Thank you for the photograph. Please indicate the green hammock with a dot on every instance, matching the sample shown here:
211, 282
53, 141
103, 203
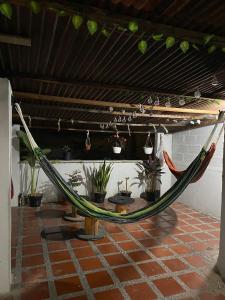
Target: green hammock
92, 210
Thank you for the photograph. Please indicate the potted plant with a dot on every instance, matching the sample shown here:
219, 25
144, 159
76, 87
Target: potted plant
88, 142
117, 143
148, 145
149, 173
67, 152
100, 178
126, 192
34, 197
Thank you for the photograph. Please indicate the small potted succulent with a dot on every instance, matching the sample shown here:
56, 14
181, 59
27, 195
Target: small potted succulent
67, 152
118, 143
149, 173
126, 192
148, 145
34, 197
100, 178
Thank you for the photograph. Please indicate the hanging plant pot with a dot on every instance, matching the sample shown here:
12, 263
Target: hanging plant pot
117, 150
99, 197
147, 150
35, 200
87, 147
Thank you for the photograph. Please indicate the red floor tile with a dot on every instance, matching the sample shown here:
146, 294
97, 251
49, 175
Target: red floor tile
63, 268
202, 236
30, 250
180, 249
109, 295
126, 273
108, 248
148, 243
68, 285
59, 256
140, 291
79, 243
186, 238
34, 275
78, 298
104, 240
151, 268
36, 291
99, 279
139, 255
175, 264
140, 235
120, 237
196, 261
84, 252
161, 252
168, 286
192, 280
58, 245
116, 259
31, 240
129, 246
91, 263
33, 260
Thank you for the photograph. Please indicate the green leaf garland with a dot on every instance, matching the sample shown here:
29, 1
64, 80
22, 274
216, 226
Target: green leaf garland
92, 27
77, 21
184, 46
35, 7
142, 46
157, 37
133, 26
105, 32
170, 41
6, 10
211, 49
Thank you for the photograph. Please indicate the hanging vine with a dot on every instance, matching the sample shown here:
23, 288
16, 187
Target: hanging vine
132, 26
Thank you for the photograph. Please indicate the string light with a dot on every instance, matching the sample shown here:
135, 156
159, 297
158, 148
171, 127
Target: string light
198, 122
123, 111
129, 119
168, 104
111, 109
150, 101
119, 119
115, 120
102, 126
124, 120
134, 115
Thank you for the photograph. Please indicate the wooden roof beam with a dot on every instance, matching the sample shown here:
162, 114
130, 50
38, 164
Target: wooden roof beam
15, 40
49, 98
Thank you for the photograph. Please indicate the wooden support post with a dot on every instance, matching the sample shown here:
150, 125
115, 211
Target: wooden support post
91, 226
121, 208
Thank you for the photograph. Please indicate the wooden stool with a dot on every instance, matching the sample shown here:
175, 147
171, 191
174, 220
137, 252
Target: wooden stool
121, 203
91, 226
121, 208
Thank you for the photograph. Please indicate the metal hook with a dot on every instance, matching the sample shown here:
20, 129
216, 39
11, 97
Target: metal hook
155, 130
164, 127
128, 127
87, 133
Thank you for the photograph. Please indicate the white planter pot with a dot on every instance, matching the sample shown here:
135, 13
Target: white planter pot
117, 150
148, 150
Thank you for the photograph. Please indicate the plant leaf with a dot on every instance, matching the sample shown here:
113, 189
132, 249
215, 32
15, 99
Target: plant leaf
77, 21
157, 37
35, 7
195, 47
61, 13
6, 10
170, 41
208, 38
223, 49
133, 26
105, 32
121, 28
142, 46
211, 49
92, 27
184, 46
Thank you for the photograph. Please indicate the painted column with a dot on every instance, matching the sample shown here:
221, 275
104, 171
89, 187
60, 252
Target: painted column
5, 180
220, 266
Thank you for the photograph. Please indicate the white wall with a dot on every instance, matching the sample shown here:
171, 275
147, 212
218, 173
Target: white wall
15, 164
5, 182
205, 194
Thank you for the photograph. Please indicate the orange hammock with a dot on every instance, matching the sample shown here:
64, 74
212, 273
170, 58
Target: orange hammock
202, 169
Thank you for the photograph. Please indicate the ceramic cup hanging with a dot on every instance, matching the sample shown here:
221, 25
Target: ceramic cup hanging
148, 145
87, 142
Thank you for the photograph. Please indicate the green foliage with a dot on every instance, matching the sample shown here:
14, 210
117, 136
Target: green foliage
157, 37
100, 177
6, 9
121, 28
184, 46
35, 7
92, 27
211, 49
133, 26
208, 38
195, 47
77, 21
142, 46
105, 32
170, 41
75, 179
223, 49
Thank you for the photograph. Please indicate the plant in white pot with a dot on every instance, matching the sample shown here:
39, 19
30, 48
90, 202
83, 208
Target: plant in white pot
34, 196
100, 177
149, 173
148, 148
118, 143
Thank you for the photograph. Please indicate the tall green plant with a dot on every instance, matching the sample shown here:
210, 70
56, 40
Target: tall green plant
100, 177
30, 158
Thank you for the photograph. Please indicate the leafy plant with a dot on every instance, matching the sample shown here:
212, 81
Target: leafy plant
142, 46
31, 160
105, 32
66, 149
35, 7
118, 141
157, 37
100, 177
208, 38
211, 49
75, 179
149, 172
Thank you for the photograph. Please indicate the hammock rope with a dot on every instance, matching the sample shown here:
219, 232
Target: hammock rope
205, 163
92, 210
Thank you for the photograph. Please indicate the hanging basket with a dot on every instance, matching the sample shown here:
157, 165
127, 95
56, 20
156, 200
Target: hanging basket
117, 150
88, 142
148, 150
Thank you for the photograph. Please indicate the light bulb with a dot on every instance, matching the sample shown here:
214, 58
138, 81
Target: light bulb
197, 94
157, 101
124, 120
102, 126
129, 119
174, 121
119, 119
182, 102
198, 122
123, 111
115, 120
150, 100
214, 81
134, 114
111, 109
168, 104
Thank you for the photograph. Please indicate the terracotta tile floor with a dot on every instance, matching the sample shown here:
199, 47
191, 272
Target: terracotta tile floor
170, 256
